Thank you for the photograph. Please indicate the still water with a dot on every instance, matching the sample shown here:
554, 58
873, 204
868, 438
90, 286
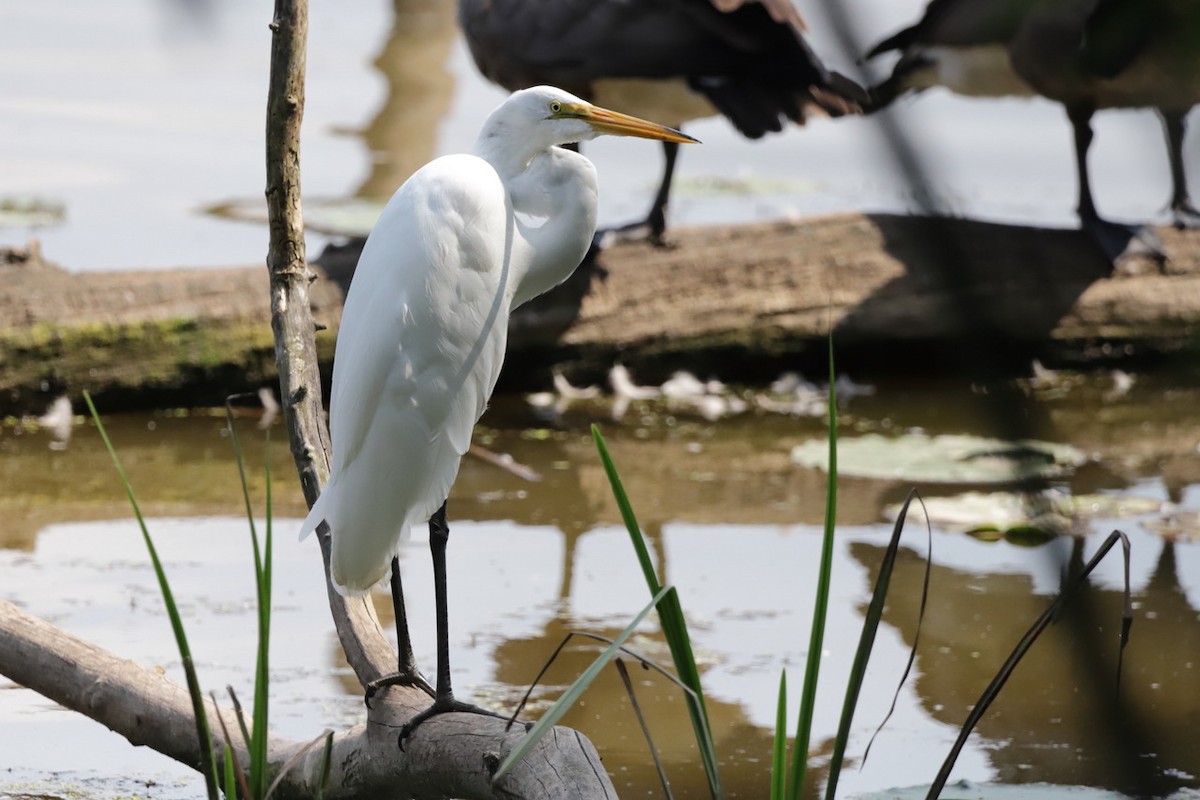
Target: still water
734, 525
137, 118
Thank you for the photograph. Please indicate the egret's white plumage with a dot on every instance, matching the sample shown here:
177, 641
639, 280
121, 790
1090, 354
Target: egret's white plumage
464, 241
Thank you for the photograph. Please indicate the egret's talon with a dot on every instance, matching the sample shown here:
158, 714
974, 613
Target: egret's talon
442, 705
406, 678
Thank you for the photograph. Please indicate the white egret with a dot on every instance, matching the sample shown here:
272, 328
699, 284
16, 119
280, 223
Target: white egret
464, 241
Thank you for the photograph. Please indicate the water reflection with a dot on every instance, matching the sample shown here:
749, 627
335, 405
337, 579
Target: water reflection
1059, 717
402, 135
733, 524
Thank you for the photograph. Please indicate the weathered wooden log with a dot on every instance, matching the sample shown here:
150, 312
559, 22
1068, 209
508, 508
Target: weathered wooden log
901, 292
147, 708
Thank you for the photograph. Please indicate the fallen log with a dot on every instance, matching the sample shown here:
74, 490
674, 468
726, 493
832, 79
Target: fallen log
743, 302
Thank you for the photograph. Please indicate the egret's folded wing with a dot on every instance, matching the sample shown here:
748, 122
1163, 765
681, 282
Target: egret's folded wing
411, 325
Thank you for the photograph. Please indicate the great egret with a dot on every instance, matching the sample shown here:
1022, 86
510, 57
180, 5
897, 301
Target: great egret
682, 59
464, 241
1086, 54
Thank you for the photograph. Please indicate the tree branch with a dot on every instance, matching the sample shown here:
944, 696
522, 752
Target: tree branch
367, 649
454, 754
149, 709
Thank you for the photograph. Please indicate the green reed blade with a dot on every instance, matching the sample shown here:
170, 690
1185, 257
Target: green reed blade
207, 759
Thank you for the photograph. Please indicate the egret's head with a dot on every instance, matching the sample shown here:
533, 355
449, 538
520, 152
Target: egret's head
544, 116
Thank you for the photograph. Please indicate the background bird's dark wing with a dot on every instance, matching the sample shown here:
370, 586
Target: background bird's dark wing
753, 69
960, 23
1116, 33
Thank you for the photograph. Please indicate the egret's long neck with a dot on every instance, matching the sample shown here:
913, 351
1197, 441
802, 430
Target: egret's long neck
558, 191
505, 149
556, 188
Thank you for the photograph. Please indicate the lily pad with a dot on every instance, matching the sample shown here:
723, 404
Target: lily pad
1028, 517
1181, 526
351, 217
30, 212
742, 186
967, 790
961, 459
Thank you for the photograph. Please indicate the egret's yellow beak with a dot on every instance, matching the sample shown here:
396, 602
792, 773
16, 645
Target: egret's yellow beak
614, 122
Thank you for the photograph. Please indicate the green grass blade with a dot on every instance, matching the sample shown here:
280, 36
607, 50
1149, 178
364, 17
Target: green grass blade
262, 674
326, 762
626, 509
241, 784
262, 578
808, 692
779, 751
641, 718
573, 692
866, 643
299, 756
1076, 585
674, 626
231, 788
207, 759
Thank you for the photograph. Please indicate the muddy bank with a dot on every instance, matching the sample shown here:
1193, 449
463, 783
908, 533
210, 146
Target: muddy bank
902, 293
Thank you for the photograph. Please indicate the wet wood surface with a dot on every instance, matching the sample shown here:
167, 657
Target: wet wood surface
918, 291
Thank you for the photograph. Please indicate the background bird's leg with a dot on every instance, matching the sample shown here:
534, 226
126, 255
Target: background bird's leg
1183, 213
657, 220
443, 699
1115, 240
1081, 125
407, 674
654, 226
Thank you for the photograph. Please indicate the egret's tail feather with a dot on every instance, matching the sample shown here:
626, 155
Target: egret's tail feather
353, 591
315, 516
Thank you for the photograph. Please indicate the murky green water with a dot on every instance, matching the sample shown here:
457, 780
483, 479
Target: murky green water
734, 525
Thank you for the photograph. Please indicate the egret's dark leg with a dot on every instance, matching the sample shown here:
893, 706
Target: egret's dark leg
407, 674
654, 225
1114, 239
443, 699
1183, 213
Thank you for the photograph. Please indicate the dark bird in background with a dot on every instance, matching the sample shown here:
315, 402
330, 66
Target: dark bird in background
677, 59
1088, 55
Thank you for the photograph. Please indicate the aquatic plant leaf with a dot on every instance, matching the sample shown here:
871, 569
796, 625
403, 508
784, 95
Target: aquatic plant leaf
919, 458
1051, 512
574, 691
966, 790
816, 640
674, 625
1077, 584
30, 212
779, 748
208, 762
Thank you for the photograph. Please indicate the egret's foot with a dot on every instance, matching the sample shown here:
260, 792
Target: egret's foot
407, 678
442, 705
1185, 216
1119, 242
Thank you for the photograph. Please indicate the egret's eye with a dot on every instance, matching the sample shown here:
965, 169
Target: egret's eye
555, 107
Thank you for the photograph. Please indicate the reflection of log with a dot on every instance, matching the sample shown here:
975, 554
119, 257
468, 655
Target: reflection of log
747, 297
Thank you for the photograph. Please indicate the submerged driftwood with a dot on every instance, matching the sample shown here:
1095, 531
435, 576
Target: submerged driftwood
901, 292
